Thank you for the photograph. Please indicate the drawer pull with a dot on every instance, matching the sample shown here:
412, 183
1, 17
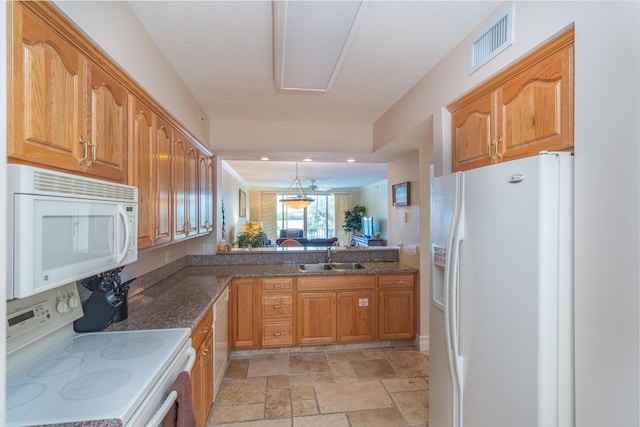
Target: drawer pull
398, 282
277, 334
277, 285
277, 307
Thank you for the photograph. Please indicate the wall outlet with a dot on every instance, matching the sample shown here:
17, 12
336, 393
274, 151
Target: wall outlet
207, 248
415, 250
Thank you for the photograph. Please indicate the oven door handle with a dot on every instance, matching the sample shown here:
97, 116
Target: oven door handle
163, 410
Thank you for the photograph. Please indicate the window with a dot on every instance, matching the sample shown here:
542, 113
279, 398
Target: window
318, 220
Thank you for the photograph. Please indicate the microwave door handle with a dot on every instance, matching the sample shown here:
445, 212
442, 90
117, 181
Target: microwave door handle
127, 235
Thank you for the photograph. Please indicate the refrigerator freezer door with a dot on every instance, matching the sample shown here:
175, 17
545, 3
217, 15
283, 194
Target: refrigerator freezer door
445, 197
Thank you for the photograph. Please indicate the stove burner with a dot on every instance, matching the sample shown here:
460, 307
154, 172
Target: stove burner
131, 347
87, 343
23, 393
95, 384
56, 366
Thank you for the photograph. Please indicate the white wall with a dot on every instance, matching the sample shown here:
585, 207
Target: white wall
229, 192
607, 184
114, 27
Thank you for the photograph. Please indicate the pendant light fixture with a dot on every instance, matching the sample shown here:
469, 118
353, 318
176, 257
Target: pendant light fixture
293, 200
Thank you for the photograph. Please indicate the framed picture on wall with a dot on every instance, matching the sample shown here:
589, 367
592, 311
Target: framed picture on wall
243, 204
401, 194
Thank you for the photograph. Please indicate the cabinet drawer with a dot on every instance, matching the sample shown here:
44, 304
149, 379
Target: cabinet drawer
396, 281
322, 283
200, 332
277, 333
277, 306
277, 284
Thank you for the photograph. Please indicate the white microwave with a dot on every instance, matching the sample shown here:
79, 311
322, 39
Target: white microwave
65, 227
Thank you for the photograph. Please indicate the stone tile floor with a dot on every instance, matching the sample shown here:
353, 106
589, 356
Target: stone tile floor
377, 387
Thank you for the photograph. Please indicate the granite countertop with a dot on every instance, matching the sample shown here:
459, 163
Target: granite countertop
182, 299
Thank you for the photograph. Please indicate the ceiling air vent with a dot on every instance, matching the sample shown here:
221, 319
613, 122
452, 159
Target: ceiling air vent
492, 41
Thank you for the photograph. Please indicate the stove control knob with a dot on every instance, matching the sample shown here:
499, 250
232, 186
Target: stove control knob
62, 307
73, 301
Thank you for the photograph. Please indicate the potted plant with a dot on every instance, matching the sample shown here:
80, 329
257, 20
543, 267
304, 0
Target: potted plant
250, 237
353, 219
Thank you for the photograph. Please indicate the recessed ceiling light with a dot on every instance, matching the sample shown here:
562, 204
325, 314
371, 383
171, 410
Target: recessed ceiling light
307, 160
264, 158
351, 160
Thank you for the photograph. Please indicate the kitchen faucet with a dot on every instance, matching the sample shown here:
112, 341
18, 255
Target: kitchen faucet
330, 251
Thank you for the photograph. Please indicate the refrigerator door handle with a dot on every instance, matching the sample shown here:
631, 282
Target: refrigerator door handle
451, 302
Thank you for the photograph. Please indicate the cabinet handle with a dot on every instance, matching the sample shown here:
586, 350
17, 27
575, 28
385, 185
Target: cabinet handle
277, 334
498, 153
205, 330
398, 282
277, 307
277, 285
86, 150
93, 153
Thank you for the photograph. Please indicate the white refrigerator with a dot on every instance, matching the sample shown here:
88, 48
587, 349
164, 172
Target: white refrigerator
501, 338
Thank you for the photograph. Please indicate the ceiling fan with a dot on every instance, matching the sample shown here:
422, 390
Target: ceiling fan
314, 187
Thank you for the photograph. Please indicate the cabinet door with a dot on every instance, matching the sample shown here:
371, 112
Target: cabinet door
245, 313
202, 380
141, 168
179, 161
45, 92
316, 317
396, 316
356, 316
473, 128
161, 174
191, 177
205, 217
535, 108
107, 127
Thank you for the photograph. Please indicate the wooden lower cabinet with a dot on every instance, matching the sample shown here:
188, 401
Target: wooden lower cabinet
356, 316
316, 317
396, 307
316, 309
277, 309
334, 315
202, 371
245, 313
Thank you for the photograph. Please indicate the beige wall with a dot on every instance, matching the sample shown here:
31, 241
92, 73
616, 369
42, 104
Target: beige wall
374, 197
607, 182
229, 192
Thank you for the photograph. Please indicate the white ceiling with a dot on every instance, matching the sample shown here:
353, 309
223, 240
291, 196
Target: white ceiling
222, 50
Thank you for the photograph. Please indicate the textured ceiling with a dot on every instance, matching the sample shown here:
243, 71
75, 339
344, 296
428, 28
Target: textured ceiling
223, 52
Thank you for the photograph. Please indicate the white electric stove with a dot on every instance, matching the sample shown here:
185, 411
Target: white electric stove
57, 376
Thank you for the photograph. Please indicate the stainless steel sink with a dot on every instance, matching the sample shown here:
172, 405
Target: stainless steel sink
331, 266
346, 266
314, 267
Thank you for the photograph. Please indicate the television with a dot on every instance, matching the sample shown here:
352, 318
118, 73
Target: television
367, 226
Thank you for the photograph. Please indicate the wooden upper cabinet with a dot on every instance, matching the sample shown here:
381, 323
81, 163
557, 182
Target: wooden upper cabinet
205, 188
191, 181
523, 110
162, 190
141, 167
65, 112
473, 127
45, 94
179, 162
150, 171
107, 126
